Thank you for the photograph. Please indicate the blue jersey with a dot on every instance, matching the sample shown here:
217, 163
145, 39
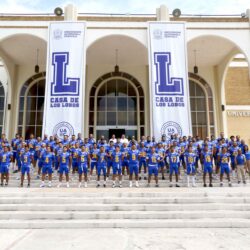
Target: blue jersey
153, 159
133, 156
94, 154
240, 159
117, 158
161, 152
14, 144
143, 153
83, 157
74, 154
102, 158
207, 158
190, 158
64, 158
48, 158
125, 153
109, 151
224, 159
26, 159
247, 154
173, 159
5, 158
233, 152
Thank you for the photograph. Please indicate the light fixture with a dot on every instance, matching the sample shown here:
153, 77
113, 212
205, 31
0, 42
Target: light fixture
196, 69
58, 11
116, 61
37, 66
176, 13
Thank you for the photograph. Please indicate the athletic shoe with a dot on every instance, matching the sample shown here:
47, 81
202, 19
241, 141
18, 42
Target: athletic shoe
171, 185
163, 177
230, 184
120, 186
21, 185
28, 185
1, 184
98, 185
157, 185
104, 185
59, 185
17, 178
238, 182
137, 185
80, 184
177, 185
6, 183
221, 184
194, 185
49, 185
210, 185
67, 185
205, 185
113, 186
244, 182
42, 185
140, 178
130, 185
85, 185
145, 178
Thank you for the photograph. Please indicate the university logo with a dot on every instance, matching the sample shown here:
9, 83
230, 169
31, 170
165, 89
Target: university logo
58, 34
63, 85
171, 128
157, 34
62, 129
165, 84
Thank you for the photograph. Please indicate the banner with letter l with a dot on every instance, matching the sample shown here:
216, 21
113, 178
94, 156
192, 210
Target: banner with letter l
65, 79
169, 87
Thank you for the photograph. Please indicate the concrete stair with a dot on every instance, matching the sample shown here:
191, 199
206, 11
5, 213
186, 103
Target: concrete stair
124, 208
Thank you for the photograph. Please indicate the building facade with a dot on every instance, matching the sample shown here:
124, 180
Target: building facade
117, 101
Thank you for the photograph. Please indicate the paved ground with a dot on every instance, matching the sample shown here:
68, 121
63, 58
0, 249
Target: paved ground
116, 239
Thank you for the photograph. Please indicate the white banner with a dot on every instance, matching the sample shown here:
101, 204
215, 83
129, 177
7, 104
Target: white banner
65, 79
169, 87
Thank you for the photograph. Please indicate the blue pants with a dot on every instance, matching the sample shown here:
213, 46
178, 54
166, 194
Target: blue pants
174, 168
82, 168
63, 169
102, 168
133, 168
153, 170
47, 169
191, 169
4, 169
117, 168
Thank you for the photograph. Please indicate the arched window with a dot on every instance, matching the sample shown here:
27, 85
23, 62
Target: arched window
201, 103
116, 106
31, 106
2, 107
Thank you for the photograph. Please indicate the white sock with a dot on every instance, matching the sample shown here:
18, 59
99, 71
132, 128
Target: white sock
130, 183
98, 182
120, 182
188, 180
193, 180
136, 182
113, 182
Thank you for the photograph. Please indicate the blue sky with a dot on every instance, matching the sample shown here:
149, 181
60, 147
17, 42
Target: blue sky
127, 6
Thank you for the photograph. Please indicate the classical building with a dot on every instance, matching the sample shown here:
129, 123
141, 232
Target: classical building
117, 101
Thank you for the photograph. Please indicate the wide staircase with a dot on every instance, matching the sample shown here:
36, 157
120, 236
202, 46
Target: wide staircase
164, 207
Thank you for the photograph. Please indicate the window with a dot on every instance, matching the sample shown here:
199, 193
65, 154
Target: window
31, 108
2, 107
201, 104
116, 102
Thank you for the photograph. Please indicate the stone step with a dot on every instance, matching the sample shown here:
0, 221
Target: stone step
129, 223
122, 200
124, 207
79, 215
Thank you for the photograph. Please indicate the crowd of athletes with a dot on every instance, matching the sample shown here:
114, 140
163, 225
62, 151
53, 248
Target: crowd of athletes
176, 157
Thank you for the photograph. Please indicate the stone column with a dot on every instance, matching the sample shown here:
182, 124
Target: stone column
70, 13
162, 13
